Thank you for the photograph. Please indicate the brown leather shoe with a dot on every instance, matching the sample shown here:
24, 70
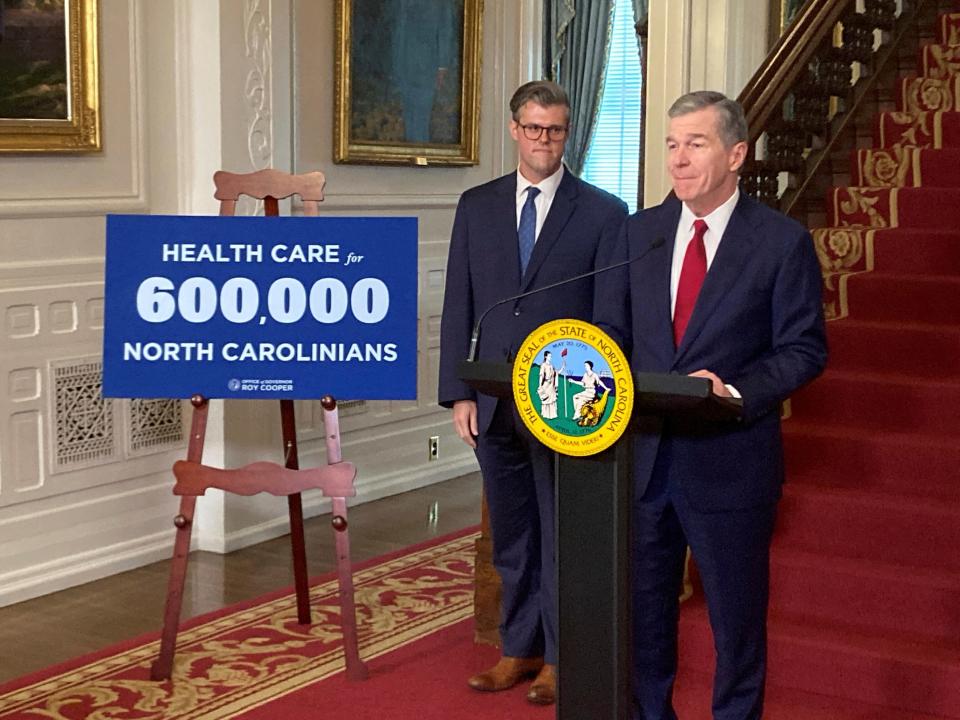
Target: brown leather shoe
506, 673
544, 688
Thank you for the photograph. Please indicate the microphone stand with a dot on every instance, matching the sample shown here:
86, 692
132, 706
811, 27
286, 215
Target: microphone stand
475, 337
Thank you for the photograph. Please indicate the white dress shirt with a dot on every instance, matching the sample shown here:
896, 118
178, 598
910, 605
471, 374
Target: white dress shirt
548, 190
716, 221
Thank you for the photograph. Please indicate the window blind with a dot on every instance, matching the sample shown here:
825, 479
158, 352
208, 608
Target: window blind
613, 159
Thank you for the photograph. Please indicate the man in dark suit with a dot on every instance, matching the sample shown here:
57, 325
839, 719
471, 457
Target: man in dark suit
533, 227
731, 291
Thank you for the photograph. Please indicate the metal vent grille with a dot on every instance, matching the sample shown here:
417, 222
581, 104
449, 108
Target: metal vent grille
155, 425
351, 407
84, 432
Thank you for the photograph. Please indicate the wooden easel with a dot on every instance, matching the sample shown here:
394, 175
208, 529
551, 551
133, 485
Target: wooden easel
335, 479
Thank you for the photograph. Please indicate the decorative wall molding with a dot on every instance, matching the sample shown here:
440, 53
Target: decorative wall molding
94, 206
668, 76
531, 39
138, 101
198, 92
57, 433
16, 275
80, 200
258, 91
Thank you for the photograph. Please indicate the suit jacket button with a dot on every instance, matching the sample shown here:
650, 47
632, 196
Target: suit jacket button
516, 312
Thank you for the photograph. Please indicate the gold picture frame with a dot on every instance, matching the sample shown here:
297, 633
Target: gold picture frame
407, 82
782, 15
52, 103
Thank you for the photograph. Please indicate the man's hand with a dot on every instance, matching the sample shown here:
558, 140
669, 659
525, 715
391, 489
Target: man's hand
718, 387
465, 421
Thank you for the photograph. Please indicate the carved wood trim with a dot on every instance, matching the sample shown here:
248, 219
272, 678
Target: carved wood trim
333, 480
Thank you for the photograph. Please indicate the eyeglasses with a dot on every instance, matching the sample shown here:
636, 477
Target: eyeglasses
535, 132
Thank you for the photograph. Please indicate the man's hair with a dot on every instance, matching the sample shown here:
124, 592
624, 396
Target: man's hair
544, 93
731, 122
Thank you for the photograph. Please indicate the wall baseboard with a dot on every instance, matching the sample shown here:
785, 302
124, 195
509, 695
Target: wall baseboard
67, 572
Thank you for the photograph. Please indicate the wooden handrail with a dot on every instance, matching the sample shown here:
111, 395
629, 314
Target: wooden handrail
766, 91
803, 101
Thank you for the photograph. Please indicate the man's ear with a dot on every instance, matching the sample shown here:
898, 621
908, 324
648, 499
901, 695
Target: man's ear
737, 155
515, 130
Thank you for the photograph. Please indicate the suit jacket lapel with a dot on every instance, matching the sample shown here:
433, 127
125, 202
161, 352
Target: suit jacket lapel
505, 242
654, 285
564, 203
725, 270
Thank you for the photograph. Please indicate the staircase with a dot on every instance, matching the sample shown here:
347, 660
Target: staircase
865, 603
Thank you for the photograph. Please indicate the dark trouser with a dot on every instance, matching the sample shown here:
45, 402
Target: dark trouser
518, 480
732, 553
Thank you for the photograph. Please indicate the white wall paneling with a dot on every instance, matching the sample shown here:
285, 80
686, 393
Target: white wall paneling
75, 537
85, 486
196, 51
66, 454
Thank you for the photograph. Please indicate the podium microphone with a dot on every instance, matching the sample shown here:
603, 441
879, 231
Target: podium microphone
475, 338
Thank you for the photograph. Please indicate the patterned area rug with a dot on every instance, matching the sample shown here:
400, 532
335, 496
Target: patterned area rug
244, 657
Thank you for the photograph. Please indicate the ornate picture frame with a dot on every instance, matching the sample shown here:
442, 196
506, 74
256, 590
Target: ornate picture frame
407, 85
782, 14
49, 89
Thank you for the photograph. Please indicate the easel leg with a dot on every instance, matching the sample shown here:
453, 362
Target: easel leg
295, 504
163, 666
298, 543
356, 668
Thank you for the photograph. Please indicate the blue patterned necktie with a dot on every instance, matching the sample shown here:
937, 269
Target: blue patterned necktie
527, 230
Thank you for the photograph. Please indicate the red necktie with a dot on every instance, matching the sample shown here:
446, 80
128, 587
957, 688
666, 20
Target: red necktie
692, 273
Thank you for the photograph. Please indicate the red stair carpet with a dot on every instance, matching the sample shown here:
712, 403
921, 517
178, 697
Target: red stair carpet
865, 603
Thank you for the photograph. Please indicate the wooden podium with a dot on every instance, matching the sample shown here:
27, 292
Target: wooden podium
593, 538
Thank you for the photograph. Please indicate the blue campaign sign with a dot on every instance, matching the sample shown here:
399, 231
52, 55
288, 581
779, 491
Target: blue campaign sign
256, 307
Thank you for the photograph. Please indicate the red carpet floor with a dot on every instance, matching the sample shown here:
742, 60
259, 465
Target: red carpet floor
865, 605
254, 662
250, 655
426, 681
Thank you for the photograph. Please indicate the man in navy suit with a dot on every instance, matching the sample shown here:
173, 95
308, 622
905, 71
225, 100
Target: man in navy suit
730, 291
527, 229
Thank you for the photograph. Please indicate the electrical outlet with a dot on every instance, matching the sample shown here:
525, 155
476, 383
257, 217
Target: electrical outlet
433, 447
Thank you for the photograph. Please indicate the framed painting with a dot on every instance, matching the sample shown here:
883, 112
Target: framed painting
782, 15
407, 87
49, 83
